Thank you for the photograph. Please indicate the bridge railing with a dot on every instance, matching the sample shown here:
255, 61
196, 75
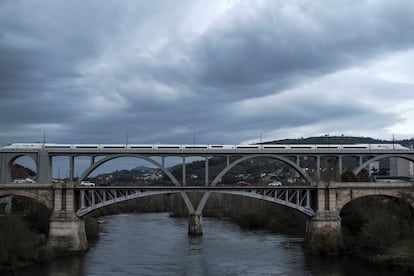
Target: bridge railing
297, 197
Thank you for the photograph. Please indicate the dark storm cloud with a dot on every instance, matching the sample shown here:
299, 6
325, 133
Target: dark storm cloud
282, 45
94, 71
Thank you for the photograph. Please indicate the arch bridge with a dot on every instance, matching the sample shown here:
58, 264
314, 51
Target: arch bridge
320, 201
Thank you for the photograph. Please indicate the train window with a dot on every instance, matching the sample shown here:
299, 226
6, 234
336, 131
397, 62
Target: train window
140, 147
57, 147
86, 147
327, 147
300, 147
248, 147
274, 147
195, 147
216, 147
113, 147
168, 147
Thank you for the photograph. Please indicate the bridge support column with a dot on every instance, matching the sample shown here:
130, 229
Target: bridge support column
324, 232
66, 234
44, 167
66, 231
324, 236
195, 227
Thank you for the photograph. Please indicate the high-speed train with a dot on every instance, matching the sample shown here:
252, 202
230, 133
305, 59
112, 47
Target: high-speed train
52, 146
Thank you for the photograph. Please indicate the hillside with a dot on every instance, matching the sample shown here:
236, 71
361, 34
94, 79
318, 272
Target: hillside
340, 140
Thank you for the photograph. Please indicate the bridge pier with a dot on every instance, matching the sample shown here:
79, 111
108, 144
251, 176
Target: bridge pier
323, 231
67, 234
324, 235
195, 227
66, 231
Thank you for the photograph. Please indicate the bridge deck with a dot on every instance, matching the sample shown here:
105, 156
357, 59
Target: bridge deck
197, 188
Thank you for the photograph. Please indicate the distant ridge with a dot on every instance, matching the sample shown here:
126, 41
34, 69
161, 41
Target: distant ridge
340, 140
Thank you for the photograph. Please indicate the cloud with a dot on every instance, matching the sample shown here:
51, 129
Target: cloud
282, 43
163, 71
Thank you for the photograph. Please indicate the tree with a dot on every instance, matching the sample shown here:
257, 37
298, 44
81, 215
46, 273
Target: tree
364, 176
349, 176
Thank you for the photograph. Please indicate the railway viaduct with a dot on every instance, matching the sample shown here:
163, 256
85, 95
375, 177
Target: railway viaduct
319, 200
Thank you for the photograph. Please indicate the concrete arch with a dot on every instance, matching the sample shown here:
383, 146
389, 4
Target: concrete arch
13, 157
112, 157
345, 196
376, 158
408, 201
274, 156
10, 158
205, 197
160, 166
44, 199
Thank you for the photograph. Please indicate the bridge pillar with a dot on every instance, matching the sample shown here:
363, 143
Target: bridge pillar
195, 227
324, 232
324, 235
66, 231
5, 171
318, 169
44, 167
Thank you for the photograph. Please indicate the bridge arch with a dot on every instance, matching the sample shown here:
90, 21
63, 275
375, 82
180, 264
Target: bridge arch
44, 199
205, 197
160, 166
281, 158
10, 158
112, 157
345, 196
298, 200
376, 158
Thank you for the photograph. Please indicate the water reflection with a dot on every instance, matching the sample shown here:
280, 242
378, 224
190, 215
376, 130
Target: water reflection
154, 244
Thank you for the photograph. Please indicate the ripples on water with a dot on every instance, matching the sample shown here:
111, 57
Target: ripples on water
154, 244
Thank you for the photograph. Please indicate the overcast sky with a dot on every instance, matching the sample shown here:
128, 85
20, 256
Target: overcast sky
218, 71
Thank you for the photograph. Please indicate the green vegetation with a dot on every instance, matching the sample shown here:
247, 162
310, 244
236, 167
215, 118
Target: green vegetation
159, 203
18, 244
23, 235
270, 217
349, 176
381, 228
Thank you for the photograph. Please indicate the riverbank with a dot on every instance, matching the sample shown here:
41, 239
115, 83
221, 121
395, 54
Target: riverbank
19, 245
380, 230
400, 256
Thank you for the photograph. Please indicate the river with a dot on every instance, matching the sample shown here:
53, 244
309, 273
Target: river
155, 244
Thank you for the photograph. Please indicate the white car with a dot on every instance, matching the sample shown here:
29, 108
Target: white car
87, 183
275, 183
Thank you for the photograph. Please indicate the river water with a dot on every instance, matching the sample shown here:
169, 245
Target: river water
155, 244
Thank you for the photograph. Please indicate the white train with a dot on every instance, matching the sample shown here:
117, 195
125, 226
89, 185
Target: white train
209, 147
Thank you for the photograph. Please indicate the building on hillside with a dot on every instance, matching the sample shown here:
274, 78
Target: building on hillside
401, 167
373, 167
